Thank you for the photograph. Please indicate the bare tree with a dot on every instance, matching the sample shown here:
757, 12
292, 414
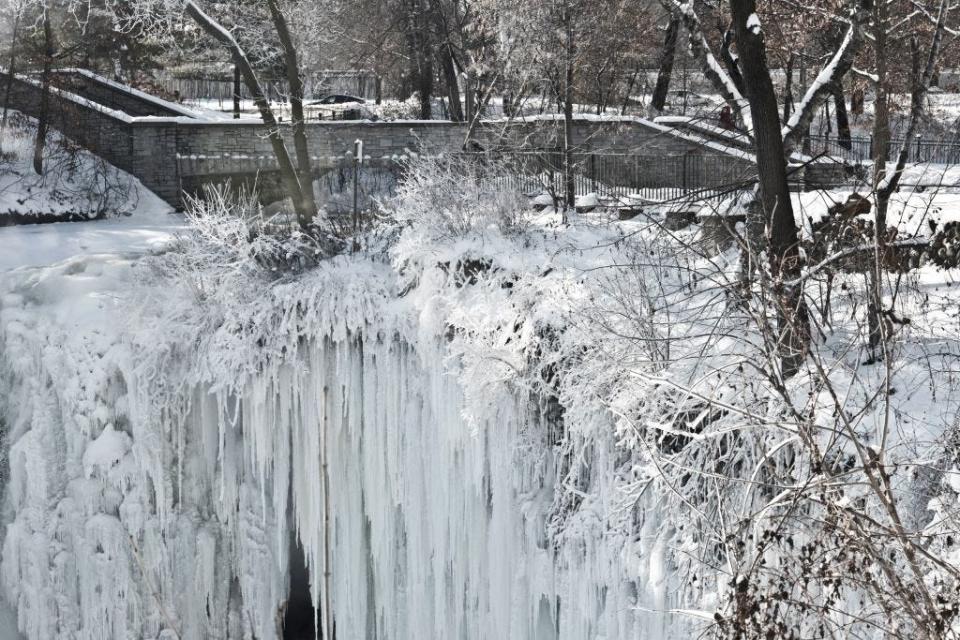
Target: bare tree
295, 80
11, 67
659, 98
774, 190
43, 116
159, 16
884, 183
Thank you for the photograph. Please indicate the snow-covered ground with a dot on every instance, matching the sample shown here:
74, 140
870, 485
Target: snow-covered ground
146, 229
386, 110
131, 220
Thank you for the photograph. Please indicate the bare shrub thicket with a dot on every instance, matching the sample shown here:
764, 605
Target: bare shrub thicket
817, 505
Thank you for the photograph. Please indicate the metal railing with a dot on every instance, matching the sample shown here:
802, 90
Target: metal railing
624, 177
861, 148
363, 84
618, 180
621, 176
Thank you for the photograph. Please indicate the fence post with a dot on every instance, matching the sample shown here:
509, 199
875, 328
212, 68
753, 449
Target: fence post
686, 157
870, 148
358, 160
917, 158
593, 172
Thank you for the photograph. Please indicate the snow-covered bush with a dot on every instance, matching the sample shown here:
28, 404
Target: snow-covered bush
447, 197
408, 109
231, 243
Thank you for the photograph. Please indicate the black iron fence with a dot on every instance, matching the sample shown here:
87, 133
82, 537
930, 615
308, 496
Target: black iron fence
861, 148
621, 176
621, 180
362, 84
624, 177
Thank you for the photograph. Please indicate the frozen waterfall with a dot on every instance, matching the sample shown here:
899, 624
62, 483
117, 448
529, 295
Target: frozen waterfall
140, 505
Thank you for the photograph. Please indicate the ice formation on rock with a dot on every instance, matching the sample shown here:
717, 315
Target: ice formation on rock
155, 496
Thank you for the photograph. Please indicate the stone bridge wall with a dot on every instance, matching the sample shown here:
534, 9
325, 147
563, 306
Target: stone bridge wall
98, 129
150, 138
145, 148
115, 96
328, 140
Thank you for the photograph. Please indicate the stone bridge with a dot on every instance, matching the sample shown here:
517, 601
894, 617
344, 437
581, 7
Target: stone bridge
174, 150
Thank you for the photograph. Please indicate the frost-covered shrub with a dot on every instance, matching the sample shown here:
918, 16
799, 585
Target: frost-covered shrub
232, 243
408, 109
15, 145
452, 196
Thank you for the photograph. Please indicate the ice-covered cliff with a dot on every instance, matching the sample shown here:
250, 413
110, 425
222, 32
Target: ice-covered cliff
174, 429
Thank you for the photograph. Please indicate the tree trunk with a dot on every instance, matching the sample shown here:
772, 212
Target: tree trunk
788, 89
659, 99
236, 91
793, 326
805, 128
481, 105
295, 80
843, 120
733, 70
420, 56
288, 174
881, 152
881, 118
569, 46
631, 84
44, 115
470, 97
839, 63
11, 72
450, 78
709, 65
425, 88
601, 103
885, 184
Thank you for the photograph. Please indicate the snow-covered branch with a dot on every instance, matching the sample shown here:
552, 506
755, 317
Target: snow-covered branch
712, 68
839, 64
